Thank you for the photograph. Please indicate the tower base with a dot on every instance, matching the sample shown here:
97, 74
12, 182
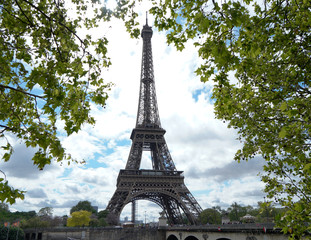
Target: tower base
165, 188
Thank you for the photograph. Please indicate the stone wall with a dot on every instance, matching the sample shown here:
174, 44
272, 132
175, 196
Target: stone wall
95, 234
128, 234
229, 232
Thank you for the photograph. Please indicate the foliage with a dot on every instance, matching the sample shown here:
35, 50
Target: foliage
266, 46
15, 233
46, 211
56, 221
48, 73
4, 207
79, 219
46, 217
101, 219
185, 220
94, 223
210, 216
112, 219
30, 219
7, 216
8, 193
236, 211
82, 205
253, 211
266, 211
102, 222
102, 214
35, 222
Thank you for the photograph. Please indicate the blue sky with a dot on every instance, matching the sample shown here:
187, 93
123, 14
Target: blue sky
201, 146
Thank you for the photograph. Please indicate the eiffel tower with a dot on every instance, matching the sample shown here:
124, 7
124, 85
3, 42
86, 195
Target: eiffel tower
163, 185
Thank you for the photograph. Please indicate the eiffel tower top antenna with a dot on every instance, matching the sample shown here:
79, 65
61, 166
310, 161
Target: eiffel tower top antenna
147, 18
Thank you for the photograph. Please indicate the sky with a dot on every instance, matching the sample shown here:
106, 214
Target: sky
200, 145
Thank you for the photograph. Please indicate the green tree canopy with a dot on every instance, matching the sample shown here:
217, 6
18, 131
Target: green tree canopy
4, 207
48, 73
102, 214
82, 205
268, 212
79, 219
210, 216
45, 212
14, 233
266, 46
7, 216
236, 211
34, 222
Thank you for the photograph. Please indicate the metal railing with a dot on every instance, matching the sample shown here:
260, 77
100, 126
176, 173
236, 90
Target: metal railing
150, 173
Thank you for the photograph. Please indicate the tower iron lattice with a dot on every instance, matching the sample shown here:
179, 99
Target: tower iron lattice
163, 184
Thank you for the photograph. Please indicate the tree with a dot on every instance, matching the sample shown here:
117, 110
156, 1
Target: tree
102, 222
210, 216
79, 219
83, 205
34, 222
46, 215
266, 46
102, 214
252, 211
112, 219
236, 211
94, 223
4, 213
7, 216
56, 221
4, 207
49, 73
45, 212
14, 233
268, 212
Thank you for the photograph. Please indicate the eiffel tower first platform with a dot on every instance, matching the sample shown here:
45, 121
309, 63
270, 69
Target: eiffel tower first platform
163, 185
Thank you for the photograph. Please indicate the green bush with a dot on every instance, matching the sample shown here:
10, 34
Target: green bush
13, 233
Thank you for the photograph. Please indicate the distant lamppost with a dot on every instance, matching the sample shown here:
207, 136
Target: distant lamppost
145, 218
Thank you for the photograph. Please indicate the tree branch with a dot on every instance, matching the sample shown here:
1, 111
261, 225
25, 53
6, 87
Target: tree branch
52, 20
31, 23
3, 174
297, 188
5, 128
220, 12
13, 15
56, 43
21, 91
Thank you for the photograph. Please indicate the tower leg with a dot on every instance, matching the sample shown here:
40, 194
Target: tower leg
133, 211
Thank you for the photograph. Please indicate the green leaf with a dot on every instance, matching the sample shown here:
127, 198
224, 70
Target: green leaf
283, 106
282, 133
307, 167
